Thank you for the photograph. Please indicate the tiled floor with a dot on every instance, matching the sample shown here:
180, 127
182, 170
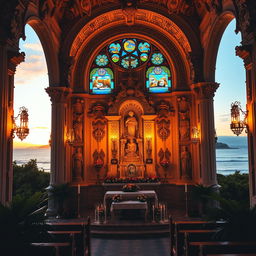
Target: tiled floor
130, 247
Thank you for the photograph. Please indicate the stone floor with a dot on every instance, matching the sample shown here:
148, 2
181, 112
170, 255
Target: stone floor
130, 247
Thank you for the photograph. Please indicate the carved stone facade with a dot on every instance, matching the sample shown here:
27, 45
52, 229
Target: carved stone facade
131, 132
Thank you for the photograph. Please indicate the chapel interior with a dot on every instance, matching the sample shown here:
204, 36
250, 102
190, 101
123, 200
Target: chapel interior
132, 84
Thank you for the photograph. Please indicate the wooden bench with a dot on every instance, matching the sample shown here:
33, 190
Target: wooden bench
56, 246
205, 248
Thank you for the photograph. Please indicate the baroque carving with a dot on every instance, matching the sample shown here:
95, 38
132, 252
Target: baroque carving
164, 157
162, 121
77, 159
246, 16
184, 118
58, 94
186, 163
78, 114
98, 111
205, 90
14, 59
140, 16
129, 8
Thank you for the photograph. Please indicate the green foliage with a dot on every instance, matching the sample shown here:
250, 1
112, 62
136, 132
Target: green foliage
234, 187
21, 223
29, 179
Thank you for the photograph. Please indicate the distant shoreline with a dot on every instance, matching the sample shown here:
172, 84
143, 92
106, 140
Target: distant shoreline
221, 145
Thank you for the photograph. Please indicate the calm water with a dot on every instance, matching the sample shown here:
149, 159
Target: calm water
228, 160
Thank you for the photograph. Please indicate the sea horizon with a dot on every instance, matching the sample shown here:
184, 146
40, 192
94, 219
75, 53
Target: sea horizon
228, 161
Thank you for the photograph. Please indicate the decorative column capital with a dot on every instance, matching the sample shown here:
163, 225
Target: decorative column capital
244, 52
58, 94
14, 59
205, 90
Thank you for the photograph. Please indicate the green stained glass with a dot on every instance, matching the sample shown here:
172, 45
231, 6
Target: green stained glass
144, 57
115, 58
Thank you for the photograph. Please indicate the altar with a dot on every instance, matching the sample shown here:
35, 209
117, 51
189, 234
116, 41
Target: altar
130, 201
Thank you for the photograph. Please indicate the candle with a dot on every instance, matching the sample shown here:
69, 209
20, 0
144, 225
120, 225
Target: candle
78, 189
186, 188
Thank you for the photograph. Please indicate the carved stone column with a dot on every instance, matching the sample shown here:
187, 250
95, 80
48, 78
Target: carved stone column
58, 175
245, 52
58, 97
204, 93
8, 63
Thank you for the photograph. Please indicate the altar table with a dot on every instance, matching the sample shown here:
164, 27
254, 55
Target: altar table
149, 194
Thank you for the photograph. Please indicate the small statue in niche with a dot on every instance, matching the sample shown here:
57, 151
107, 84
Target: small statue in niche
78, 127
131, 124
186, 165
78, 120
184, 133
131, 148
77, 163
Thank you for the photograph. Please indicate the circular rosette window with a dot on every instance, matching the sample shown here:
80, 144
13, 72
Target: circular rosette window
129, 53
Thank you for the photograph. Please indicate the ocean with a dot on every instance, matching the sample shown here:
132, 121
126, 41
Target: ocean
228, 160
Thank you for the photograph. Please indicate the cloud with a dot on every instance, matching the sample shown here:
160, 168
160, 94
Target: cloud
35, 47
33, 67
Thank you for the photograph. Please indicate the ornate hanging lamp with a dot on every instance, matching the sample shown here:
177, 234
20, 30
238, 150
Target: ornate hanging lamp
237, 126
22, 129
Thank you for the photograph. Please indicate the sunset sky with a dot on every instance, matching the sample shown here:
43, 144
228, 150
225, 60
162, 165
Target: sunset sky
31, 78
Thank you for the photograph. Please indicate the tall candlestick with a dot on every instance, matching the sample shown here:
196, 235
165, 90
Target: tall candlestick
186, 188
78, 189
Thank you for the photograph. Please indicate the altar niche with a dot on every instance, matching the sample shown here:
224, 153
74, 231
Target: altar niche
131, 142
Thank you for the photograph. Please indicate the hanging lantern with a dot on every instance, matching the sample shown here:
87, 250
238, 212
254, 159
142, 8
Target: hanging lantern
22, 129
237, 126
195, 135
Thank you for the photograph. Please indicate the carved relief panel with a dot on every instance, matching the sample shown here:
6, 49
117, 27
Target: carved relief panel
76, 137
184, 113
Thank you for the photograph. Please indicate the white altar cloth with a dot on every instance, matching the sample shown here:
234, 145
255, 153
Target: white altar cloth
151, 194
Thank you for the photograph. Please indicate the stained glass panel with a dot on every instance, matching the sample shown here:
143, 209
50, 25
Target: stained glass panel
114, 48
101, 60
101, 81
157, 58
158, 79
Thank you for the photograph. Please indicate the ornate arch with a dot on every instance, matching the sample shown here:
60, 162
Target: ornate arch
214, 38
167, 36
131, 105
49, 48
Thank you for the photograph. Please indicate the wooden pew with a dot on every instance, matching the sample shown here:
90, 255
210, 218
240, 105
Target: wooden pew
201, 230
206, 248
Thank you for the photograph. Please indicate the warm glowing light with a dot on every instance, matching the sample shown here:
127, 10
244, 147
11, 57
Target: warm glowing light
195, 135
237, 126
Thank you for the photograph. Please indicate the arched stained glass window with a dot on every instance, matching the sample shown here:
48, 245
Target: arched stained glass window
130, 54
158, 79
101, 81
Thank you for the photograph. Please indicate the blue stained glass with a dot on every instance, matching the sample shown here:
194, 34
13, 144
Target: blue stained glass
101, 60
158, 79
129, 62
144, 47
135, 53
124, 53
114, 48
130, 45
101, 81
157, 58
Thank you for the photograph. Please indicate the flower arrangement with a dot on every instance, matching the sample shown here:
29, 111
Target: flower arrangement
142, 198
116, 198
110, 180
130, 188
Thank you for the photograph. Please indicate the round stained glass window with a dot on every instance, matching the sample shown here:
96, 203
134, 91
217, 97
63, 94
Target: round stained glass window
144, 57
101, 60
157, 58
115, 58
114, 48
157, 70
144, 47
101, 71
129, 45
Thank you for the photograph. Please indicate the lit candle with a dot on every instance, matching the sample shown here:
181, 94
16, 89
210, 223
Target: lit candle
186, 188
78, 189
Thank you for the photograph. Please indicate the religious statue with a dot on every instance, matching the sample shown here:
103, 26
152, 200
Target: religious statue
131, 148
77, 163
78, 127
131, 124
186, 163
